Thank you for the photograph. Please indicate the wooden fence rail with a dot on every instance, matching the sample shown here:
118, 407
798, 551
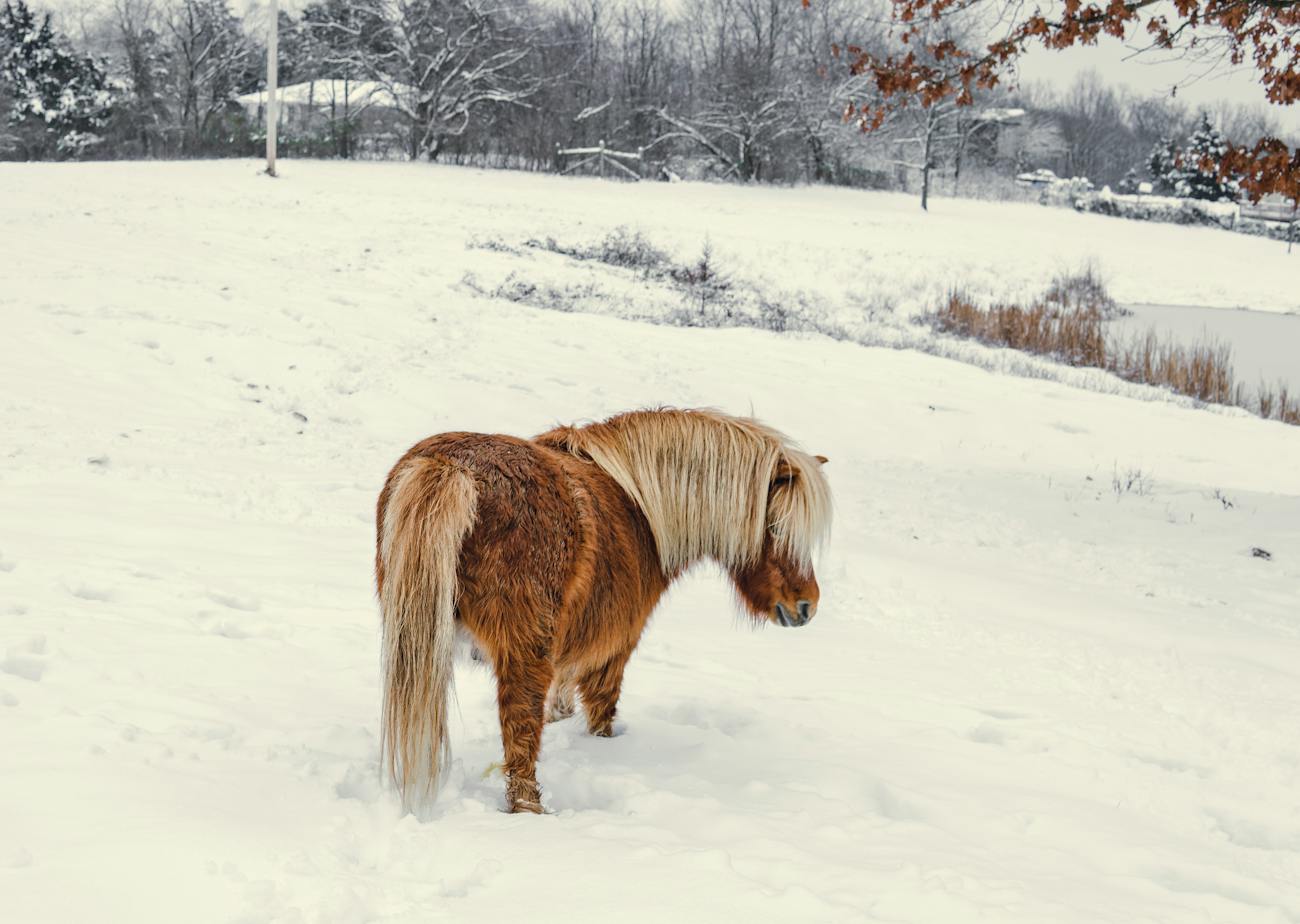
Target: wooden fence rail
1276, 209
602, 158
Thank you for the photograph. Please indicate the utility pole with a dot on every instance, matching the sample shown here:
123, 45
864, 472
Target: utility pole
272, 86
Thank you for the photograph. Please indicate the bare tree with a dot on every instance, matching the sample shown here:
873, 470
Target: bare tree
822, 88
210, 56
1098, 143
440, 60
921, 132
740, 105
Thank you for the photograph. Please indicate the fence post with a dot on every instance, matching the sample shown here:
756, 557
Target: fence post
601, 156
559, 161
640, 161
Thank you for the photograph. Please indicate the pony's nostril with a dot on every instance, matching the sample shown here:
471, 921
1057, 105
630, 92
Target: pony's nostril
805, 611
783, 616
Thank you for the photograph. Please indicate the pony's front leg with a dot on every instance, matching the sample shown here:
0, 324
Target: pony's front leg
600, 689
521, 701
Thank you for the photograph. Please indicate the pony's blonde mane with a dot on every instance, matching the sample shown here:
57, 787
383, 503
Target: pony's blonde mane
705, 482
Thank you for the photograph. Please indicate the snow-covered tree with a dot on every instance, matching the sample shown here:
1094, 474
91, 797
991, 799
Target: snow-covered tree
212, 60
442, 61
1198, 174
53, 102
142, 63
1162, 164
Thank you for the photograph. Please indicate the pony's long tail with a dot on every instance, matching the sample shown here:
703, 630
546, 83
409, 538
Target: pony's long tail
431, 508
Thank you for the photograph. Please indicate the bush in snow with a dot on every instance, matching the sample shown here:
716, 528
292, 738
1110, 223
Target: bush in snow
53, 101
1170, 209
620, 247
1054, 190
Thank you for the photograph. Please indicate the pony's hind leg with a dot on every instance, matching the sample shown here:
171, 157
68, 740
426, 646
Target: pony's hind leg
521, 701
600, 688
562, 699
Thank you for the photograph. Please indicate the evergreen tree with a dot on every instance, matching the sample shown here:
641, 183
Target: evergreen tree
1198, 174
1163, 167
1129, 185
53, 101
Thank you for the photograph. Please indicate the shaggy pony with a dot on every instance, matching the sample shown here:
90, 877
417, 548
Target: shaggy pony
551, 553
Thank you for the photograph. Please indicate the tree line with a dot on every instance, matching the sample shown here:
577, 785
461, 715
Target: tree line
750, 90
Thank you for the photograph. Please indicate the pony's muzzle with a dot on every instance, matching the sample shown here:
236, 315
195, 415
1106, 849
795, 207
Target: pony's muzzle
802, 618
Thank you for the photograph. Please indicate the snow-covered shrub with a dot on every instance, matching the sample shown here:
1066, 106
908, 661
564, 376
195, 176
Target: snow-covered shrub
1085, 288
56, 102
630, 249
1054, 190
1276, 230
620, 247
1170, 209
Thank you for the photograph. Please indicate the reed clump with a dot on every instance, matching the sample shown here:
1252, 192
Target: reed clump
1067, 323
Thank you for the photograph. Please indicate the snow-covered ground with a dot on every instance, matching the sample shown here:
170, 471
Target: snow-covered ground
1048, 681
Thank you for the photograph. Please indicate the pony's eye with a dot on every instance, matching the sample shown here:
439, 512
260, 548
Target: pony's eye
780, 480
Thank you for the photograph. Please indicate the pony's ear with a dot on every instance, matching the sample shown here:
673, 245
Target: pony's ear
821, 459
785, 473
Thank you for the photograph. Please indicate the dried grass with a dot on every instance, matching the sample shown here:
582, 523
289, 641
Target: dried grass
1067, 324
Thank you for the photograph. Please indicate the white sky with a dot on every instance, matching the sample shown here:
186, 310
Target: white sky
1150, 72
1112, 58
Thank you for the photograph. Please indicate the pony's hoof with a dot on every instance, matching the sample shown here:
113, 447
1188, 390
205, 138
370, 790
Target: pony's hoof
608, 730
523, 796
559, 715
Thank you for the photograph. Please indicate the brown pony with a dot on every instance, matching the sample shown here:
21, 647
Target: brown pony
551, 554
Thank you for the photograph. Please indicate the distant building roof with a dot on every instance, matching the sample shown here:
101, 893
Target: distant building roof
999, 115
357, 93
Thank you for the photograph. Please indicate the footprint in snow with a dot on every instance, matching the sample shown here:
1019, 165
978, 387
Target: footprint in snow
15, 858
233, 626
360, 782
1254, 834
728, 721
27, 668
1002, 714
235, 601
889, 804
91, 592
984, 733
26, 661
459, 887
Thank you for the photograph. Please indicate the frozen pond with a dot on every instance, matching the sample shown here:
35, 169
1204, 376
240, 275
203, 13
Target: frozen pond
1264, 345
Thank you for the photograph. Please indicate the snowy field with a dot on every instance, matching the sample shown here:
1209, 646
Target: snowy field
1049, 682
